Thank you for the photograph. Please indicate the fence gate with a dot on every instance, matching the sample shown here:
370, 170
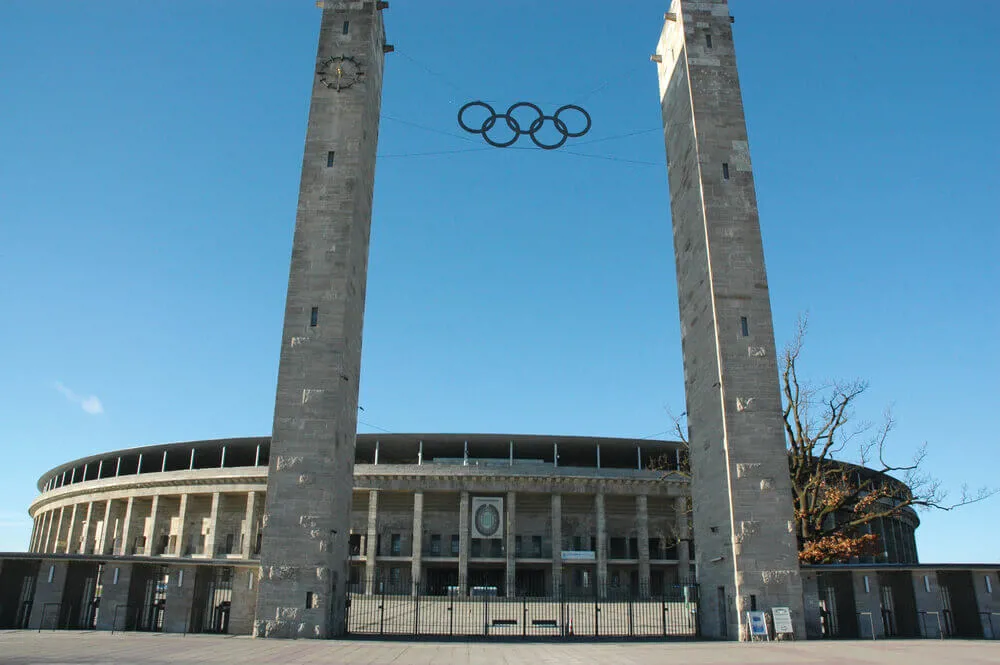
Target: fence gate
408, 611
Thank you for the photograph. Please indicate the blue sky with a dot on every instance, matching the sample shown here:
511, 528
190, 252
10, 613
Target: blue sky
149, 164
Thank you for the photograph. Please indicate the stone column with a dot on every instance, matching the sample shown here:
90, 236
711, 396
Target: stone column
40, 532
126, 528
49, 588
149, 532
114, 594
180, 598
54, 547
602, 545
34, 532
48, 533
87, 531
371, 542
181, 524
69, 532
642, 536
556, 544
213, 526
463, 544
509, 539
683, 541
248, 525
100, 547
416, 555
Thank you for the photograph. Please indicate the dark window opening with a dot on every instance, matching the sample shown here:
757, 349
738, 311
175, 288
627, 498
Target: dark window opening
708, 41
744, 326
395, 544
314, 317
435, 544
329, 159
725, 171
311, 601
454, 545
347, 27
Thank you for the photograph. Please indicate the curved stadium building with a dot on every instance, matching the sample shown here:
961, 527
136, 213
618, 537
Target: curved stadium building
544, 517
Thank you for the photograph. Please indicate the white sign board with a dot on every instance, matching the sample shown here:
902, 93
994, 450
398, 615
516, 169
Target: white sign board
782, 620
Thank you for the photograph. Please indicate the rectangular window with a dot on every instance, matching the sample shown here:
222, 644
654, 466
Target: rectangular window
725, 170
744, 326
329, 159
989, 584
454, 545
517, 545
868, 588
536, 546
310, 600
708, 40
314, 317
927, 583
347, 27
435, 544
395, 544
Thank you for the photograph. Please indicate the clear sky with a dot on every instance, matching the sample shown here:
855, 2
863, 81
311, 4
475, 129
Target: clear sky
149, 165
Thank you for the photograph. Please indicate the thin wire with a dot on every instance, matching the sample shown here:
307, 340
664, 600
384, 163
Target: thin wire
609, 158
607, 83
367, 424
425, 128
438, 152
438, 75
619, 136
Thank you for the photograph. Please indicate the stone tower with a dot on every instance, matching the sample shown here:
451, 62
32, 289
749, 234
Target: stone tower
746, 546
307, 517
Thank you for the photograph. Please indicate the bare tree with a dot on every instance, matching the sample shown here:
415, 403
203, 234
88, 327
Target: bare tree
836, 503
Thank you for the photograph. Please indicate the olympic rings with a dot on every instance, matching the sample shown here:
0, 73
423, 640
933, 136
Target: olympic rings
515, 126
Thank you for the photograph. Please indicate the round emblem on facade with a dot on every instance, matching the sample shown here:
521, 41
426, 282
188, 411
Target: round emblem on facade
487, 520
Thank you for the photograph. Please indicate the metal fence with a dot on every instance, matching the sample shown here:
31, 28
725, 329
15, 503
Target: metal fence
405, 611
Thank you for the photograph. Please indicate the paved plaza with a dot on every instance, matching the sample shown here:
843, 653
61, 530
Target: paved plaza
64, 648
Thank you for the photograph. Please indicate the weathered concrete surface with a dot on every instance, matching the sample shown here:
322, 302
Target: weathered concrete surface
746, 554
307, 513
24, 647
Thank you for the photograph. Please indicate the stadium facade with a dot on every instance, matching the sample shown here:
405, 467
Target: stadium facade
317, 531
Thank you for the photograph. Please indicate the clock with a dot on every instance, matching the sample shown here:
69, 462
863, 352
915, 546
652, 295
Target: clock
340, 72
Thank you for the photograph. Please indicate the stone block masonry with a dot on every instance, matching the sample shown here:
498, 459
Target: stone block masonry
310, 480
743, 520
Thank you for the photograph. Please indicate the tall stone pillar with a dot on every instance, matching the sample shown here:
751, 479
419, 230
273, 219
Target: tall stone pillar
87, 532
416, 553
150, 531
556, 544
310, 480
69, 531
182, 525
743, 517
683, 541
509, 533
211, 542
48, 532
103, 544
34, 533
371, 543
602, 546
642, 536
249, 518
463, 544
123, 547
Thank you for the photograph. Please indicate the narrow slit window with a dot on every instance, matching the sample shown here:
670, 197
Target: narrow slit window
708, 40
314, 317
347, 27
744, 326
725, 170
310, 600
329, 159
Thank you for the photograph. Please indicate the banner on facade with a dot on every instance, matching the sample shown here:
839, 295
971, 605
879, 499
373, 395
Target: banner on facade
487, 517
578, 555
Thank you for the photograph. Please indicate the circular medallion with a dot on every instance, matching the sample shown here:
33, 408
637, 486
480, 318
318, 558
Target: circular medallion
487, 520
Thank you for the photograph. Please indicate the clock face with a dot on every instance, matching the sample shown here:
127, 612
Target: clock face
340, 72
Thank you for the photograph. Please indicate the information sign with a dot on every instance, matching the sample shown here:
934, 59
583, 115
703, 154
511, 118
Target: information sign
782, 620
758, 625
